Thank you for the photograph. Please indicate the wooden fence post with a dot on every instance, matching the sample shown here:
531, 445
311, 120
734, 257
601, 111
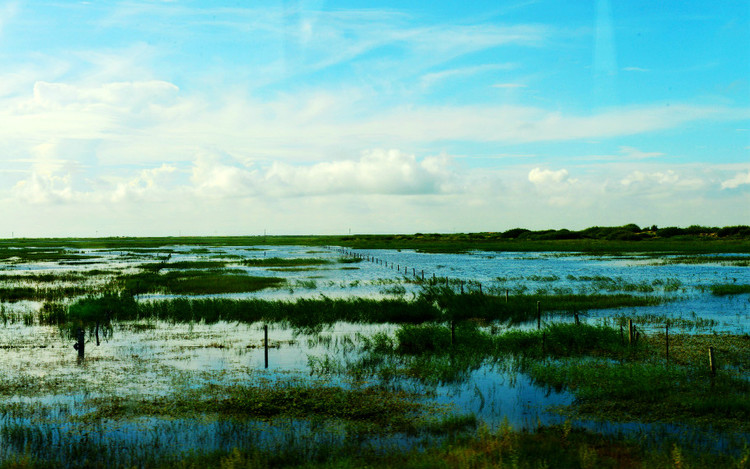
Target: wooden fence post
506, 296
630, 332
538, 315
80, 344
265, 343
711, 361
667, 341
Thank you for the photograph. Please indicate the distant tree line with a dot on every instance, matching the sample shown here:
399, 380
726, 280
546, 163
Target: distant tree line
630, 232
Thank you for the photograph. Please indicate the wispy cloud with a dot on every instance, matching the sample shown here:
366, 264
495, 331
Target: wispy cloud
431, 79
736, 181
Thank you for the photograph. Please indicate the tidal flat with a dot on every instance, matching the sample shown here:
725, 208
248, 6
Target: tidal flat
288, 355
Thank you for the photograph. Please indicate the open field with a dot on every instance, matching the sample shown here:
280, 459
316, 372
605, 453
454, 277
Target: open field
236, 353
624, 239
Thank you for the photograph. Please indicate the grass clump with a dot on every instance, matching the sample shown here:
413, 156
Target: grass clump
370, 409
730, 289
650, 392
183, 265
195, 282
284, 262
522, 308
304, 313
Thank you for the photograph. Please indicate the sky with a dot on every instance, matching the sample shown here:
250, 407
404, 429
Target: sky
175, 118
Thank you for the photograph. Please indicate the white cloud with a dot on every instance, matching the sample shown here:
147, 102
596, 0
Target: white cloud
636, 154
658, 180
149, 184
376, 172
216, 179
40, 188
430, 79
738, 180
543, 177
119, 96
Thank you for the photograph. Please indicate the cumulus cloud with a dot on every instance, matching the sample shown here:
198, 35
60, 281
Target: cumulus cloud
212, 177
738, 180
543, 177
40, 188
148, 184
376, 172
658, 179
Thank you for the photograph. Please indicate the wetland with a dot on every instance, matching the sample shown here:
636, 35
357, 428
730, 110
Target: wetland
301, 352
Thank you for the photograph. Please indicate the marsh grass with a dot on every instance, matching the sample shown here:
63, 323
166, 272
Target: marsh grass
610, 379
26, 255
735, 260
301, 313
643, 391
730, 289
284, 262
692, 322
184, 265
372, 409
52, 293
560, 446
194, 282
522, 307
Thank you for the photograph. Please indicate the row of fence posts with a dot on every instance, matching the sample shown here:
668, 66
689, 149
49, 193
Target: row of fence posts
420, 277
633, 333
80, 343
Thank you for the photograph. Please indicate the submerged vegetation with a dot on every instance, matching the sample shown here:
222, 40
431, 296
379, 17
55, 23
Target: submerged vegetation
184, 399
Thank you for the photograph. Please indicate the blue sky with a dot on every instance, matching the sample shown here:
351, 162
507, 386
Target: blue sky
193, 117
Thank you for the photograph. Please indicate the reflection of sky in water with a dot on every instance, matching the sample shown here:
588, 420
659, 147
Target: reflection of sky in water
158, 358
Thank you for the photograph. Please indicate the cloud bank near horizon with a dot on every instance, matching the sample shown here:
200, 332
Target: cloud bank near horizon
234, 120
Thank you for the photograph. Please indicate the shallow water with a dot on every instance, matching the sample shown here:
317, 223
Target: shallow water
41, 371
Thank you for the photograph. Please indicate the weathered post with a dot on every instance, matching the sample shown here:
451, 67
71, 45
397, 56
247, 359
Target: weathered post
80, 342
423, 275
506, 296
711, 361
265, 343
538, 315
667, 341
630, 332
